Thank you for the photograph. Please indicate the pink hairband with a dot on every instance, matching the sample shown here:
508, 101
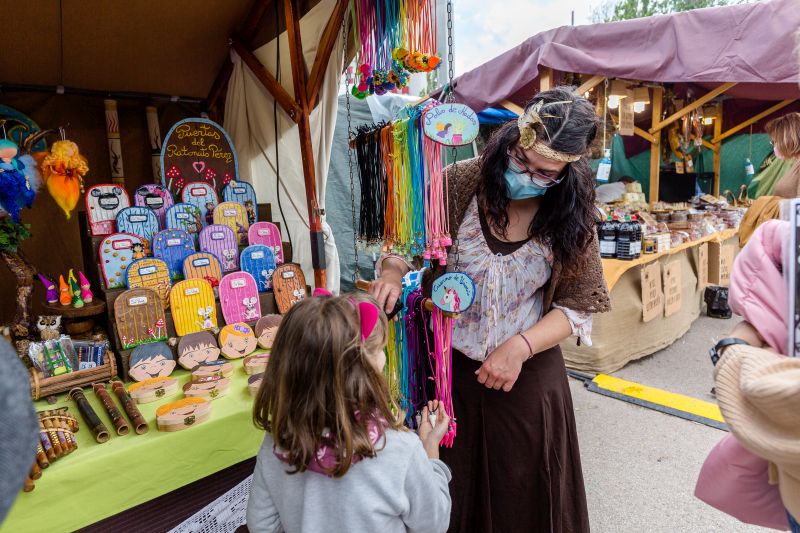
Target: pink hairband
367, 313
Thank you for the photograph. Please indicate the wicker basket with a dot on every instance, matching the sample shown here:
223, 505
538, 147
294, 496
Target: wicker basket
42, 387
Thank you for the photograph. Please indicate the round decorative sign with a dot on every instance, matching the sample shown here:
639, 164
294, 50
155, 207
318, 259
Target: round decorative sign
453, 292
451, 124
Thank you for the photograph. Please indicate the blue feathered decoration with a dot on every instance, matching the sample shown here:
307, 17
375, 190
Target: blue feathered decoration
19, 180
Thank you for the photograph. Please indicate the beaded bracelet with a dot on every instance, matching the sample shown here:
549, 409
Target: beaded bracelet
530, 348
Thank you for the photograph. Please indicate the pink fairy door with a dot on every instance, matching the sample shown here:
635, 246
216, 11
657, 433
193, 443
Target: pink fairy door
268, 234
238, 294
103, 202
221, 241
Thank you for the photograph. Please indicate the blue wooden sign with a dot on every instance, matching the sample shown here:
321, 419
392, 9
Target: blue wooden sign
451, 124
453, 292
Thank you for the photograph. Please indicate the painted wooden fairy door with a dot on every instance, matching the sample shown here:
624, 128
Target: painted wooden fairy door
140, 221
151, 273
268, 234
117, 251
173, 246
243, 193
204, 197
193, 306
221, 241
185, 217
103, 202
259, 261
203, 265
139, 317
289, 285
234, 216
238, 295
155, 197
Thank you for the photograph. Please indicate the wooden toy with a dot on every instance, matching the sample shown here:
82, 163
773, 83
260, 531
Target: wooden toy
120, 424
154, 389
140, 221
139, 316
289, 285
98, 429
75, 289
203, 265
234, 216
103, 203
193, 306
117, 252
181, 414
268, 234
173, 246
50, 288
186, 217
208, 387
197, 349
256, 363
148, 361
254, 383
221, 368
221, 241
259, 261
243, 193
238, 295
155, 197
49, 327
86, 288
153, 274
266, 329
237, 340
203, 197
138, 421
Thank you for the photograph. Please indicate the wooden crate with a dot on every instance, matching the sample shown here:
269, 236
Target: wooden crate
42, 387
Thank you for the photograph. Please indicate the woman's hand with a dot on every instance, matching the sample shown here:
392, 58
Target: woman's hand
432, 434
388, 288
501, 369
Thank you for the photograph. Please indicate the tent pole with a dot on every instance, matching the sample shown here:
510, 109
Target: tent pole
655, 145
511, 106
717, 149
545, 79
736, 129
306, 151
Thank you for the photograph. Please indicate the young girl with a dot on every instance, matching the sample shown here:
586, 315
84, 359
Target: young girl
335, 457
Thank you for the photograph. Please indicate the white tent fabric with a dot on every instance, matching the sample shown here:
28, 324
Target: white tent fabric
249, 119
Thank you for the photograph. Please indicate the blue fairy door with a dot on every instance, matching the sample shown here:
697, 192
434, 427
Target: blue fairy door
259, 261
173, 246
243, 193
140, 221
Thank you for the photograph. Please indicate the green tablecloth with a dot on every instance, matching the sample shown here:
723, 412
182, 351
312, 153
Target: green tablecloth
100, 480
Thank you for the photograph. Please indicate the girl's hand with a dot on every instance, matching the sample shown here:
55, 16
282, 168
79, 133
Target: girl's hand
432, 434
501, 369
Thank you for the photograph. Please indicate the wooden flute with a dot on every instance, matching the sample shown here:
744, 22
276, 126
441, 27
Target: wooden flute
139, 423
96, 426
120, 425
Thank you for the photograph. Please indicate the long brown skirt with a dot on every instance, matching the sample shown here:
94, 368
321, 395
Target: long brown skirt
515, 461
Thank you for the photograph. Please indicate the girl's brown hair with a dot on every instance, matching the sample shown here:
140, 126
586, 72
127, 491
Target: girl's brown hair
785, 134
319, 376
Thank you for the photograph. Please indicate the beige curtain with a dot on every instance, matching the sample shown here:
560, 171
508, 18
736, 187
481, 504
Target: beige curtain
250, 121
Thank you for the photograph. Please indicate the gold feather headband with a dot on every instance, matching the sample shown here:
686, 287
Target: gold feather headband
527, 133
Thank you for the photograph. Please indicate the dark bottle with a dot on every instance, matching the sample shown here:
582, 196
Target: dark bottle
625, 240
608, 238
636, 226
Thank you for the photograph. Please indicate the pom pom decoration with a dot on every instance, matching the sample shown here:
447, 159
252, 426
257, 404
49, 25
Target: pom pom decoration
19, 180
63, 169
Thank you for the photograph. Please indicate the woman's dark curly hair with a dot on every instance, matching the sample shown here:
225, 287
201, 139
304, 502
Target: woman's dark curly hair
565, 219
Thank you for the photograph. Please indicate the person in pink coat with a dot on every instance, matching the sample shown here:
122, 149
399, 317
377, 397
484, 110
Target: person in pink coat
732, 479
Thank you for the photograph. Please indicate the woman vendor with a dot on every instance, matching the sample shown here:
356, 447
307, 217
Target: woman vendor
523, 216
784, 134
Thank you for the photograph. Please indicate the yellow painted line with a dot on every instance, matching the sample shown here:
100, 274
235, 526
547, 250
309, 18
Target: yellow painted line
660, 397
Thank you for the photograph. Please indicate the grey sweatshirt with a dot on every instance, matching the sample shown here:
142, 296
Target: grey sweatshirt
398, 490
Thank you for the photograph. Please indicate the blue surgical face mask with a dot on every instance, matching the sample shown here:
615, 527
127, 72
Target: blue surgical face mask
519, 186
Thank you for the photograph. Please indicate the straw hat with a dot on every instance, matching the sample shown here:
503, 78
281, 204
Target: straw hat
759, 395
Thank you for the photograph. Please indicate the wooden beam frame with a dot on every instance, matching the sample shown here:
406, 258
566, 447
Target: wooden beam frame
511, 106
332, 30
268, 81
777, 107
590, 84
717, 150
644, 135
691, 107
655, 146
545, 79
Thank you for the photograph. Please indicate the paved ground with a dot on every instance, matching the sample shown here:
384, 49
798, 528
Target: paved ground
640, 466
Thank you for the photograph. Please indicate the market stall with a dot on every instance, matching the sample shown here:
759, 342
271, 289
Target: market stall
684, 96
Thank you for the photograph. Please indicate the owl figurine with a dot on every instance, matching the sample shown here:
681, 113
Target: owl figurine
49, 327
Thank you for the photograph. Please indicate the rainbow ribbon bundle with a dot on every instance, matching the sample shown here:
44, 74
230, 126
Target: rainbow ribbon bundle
394, 38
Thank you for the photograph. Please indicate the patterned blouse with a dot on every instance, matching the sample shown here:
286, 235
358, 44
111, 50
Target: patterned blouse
509, 291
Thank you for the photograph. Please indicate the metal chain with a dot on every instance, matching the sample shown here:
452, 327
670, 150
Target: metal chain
350, 139
450, 97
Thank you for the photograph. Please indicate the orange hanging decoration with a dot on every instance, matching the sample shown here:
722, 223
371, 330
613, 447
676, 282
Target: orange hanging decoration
63, 168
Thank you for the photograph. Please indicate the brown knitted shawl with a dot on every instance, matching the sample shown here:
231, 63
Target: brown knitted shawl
582, 291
